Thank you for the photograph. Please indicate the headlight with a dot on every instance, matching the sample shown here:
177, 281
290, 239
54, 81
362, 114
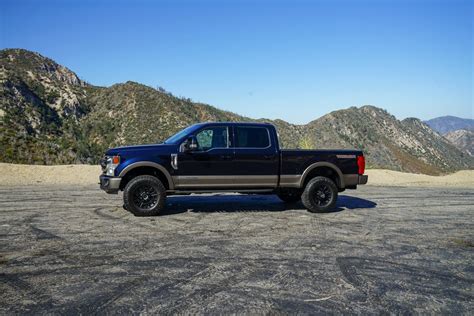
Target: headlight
111, 164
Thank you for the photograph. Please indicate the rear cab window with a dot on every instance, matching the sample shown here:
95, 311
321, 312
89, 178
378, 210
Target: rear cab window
252, 137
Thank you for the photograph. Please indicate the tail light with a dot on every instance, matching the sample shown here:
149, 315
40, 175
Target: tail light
361, 164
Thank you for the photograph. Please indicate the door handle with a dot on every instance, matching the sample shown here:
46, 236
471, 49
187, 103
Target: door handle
268, 157
226, 157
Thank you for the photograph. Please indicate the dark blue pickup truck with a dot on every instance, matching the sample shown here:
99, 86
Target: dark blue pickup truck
228, 157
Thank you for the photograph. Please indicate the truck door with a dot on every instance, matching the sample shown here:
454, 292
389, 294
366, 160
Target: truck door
256, 158
211, 165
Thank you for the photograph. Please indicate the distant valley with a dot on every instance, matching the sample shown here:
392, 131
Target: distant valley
459, 131
49, 116
447, 124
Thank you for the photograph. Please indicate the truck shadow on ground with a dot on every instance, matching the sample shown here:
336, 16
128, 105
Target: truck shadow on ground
250, 203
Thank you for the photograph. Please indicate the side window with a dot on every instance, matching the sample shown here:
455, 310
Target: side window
212, 137
252, 137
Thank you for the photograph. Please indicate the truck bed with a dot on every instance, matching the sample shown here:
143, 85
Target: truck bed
295, 161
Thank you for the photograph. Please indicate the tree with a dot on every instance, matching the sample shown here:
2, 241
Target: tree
305, 143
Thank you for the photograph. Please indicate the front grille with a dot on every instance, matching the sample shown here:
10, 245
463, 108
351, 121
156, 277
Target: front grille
103, 163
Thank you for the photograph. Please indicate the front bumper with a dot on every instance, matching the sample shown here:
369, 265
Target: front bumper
110, 184
363, 179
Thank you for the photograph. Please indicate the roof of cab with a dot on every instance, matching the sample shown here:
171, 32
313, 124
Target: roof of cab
235, 123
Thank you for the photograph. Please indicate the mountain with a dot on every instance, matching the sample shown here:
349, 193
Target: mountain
408, 145
49, 116
446, 124
462, 139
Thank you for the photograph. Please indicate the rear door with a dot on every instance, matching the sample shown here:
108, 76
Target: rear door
256, 158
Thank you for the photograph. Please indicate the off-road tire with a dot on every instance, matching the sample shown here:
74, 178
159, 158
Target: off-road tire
316, 197
289, 195
143, 189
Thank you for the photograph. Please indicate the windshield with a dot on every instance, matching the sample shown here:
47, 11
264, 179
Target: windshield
179, 135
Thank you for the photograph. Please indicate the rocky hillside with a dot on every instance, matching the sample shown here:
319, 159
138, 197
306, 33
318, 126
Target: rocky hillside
446, 124
41, 105
49, 116
462, 139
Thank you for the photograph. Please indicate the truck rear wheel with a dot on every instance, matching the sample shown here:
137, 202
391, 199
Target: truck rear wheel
289, 195
319, 195
144, 196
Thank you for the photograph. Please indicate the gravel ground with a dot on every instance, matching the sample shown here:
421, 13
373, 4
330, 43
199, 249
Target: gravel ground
68, 249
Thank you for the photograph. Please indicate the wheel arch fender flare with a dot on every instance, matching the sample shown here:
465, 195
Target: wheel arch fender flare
323, 164
149, 164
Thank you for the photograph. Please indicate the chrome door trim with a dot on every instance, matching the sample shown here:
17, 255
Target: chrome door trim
290, 180
174, 161
226, 181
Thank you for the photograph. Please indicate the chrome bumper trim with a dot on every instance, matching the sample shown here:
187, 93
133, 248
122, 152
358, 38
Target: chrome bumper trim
363, 179
355, 179
110, 184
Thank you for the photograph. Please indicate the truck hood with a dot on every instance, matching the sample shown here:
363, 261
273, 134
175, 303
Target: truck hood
158, 148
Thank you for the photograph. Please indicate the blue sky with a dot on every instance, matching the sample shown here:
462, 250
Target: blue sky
294, 60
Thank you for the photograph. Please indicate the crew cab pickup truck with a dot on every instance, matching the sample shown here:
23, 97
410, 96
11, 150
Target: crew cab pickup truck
228, 157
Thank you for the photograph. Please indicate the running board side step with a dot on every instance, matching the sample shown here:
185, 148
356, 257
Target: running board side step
221, 191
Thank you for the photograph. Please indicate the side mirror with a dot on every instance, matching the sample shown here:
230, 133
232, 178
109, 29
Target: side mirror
190, 144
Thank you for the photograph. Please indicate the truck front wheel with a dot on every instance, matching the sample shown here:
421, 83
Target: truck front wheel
319, 195
144, 196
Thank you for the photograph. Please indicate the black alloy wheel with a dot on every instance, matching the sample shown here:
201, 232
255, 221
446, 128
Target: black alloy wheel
323, 195
144, 196
319, 195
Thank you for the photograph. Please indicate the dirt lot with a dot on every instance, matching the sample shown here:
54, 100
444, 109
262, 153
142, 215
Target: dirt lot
67, 249
14, 174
